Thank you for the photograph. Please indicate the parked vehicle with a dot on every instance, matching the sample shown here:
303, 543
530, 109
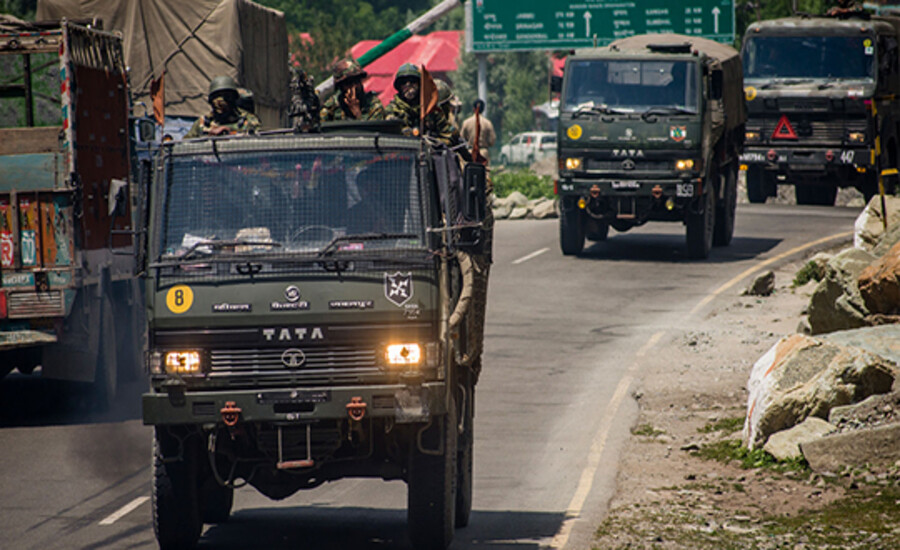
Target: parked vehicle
821, 95
528, 147
69, 301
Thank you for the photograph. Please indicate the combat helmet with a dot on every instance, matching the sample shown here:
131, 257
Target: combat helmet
222, 84
347, 69
444, 93
407, 71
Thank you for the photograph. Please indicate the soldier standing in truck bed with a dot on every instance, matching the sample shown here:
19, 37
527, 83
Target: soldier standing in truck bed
351, 102
225, 117
405, 107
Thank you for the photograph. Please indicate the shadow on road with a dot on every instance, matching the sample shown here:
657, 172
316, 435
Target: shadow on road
657, 247
318, 527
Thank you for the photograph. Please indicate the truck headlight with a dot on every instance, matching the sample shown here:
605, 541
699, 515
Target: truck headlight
182, 362
684, 164
403, 354
857, 137
751, 135
573, 163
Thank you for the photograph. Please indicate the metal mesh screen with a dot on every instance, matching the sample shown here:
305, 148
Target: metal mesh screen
281, 201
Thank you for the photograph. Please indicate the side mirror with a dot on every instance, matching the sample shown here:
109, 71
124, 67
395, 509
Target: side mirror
556, 83
474, 201
716, 85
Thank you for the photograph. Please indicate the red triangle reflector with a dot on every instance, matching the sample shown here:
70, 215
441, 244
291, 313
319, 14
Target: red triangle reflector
784, 130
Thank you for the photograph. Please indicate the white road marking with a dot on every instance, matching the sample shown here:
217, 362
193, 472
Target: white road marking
586, 482
123, 511
534, 254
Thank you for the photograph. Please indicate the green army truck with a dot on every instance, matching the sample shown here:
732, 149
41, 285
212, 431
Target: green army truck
650, 129
310, 308
821, 95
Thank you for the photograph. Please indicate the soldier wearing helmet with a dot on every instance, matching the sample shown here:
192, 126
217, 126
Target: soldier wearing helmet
352, 102
225, 117
448, 103
405, 107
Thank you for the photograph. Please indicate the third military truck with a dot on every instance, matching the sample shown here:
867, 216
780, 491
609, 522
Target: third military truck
650, 129
821, 95
311, 312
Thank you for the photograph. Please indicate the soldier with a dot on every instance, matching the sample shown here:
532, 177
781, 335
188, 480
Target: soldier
405, 107
352, 102
487, 137
226, 117
846, 8
448, 103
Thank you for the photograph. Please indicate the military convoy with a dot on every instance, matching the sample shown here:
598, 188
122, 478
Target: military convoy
823, 116
311, 314
650, 129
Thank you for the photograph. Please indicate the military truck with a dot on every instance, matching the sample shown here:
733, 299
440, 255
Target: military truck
70, 302
822, 110
650, 129
310, 308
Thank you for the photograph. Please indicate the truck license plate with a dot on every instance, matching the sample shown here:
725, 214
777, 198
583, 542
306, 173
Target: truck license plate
684, 190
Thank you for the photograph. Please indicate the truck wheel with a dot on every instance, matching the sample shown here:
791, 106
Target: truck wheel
176, 514
216, 501
431, 497
105, 374
724, 228
700, 228
465, 457
756, 188
571, 231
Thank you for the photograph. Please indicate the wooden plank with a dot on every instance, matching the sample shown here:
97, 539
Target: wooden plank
20, 141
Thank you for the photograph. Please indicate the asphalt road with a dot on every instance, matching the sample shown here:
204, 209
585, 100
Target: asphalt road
565, 338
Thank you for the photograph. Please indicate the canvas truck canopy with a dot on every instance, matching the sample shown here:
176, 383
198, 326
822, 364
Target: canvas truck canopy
720, 56
192, 42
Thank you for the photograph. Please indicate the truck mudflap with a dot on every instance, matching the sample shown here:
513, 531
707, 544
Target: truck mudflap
25, 338
403, 403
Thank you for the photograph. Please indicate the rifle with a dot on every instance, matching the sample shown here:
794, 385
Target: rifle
305, 106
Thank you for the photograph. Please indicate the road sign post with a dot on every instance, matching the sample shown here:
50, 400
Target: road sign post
501, 25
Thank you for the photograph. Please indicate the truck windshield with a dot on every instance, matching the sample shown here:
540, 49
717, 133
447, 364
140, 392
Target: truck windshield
286, 202
631, 85
826, 57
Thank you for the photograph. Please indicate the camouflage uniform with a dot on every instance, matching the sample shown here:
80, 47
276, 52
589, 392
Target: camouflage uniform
370, 105
241, 122
436, 124
347, 72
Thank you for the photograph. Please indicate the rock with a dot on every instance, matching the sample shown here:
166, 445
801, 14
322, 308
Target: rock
836, 303
803, 326
518, 213
802, 376
785, 445
502, 212
879, 283
516, 198
872, 411
545, 210
764, 285
888, 240
869, 226
873, 447
499, 202
883, 341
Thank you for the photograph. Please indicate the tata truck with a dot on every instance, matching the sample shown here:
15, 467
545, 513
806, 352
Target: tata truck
650, 129
310, 305
821, 98
69, 300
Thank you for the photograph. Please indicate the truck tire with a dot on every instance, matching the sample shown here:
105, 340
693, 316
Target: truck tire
105, 374
756, 187
571, 231
700, 228
724, 228
431, 496
174, 499
215, 501
465, 455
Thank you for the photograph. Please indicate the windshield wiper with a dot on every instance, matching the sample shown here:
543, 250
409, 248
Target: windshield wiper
332, 245
671, 110
217, 244
595, 110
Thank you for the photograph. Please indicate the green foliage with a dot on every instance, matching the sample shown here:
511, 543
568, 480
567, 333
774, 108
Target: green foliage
23, 9
728, 425
646, 430
523, 181
732, 450
811, 271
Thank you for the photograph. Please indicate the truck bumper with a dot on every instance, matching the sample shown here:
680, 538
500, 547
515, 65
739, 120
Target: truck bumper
807, 160
403, 403
25, 338
624, 187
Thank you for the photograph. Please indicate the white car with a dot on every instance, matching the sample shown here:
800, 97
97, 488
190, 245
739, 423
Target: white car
528, 147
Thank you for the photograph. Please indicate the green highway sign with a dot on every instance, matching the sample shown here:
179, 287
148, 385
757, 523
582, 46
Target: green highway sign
502, 25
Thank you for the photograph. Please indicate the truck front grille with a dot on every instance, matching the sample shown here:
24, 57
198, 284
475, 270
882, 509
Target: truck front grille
335, 364
634, 165
22, 305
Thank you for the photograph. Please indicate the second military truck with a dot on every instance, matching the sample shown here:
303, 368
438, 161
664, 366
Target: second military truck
650, 129
310, 306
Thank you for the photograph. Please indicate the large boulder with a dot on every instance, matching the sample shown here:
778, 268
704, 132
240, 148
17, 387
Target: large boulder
836, 303
544, 209
785, 445
879, 283
887, 240
517, 199
883, 341
869, 225
803, 376
871, 448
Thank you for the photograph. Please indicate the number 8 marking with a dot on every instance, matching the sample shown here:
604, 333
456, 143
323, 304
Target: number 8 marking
179, 298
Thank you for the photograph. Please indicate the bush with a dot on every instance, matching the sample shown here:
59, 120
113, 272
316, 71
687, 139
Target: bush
524, 181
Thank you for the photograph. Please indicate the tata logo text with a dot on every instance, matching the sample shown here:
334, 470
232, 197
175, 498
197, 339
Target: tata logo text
627, 153
297, 334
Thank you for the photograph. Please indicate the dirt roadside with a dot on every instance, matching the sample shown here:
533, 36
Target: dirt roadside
684, 482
